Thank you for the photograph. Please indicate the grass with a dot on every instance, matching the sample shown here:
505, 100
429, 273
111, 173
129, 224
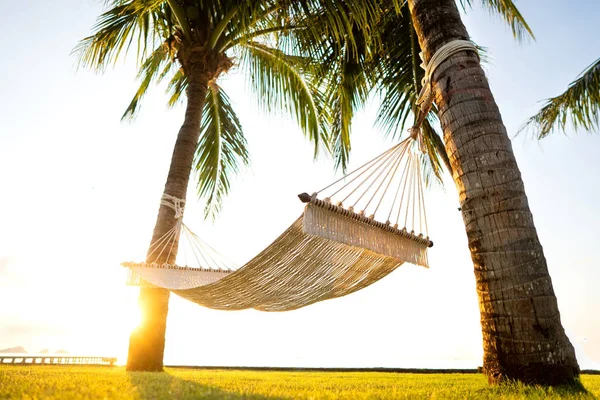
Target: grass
79, 382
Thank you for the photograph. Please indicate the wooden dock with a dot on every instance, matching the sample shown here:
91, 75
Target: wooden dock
55, 360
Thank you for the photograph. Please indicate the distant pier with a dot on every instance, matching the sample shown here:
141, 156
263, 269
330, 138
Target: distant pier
55, 360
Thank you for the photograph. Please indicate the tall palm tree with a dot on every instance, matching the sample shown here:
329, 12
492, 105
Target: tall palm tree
523, 337
522, 333
579, 105
193, 42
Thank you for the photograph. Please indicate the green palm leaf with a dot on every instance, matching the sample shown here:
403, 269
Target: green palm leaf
279, 82
155, 68
509, 12
435, 156
506, 9
348, 93
221, 151
579, 105
176, 88
399, 83
128, 23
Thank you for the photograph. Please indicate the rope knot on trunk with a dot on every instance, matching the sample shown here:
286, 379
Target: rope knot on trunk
442, 54
425, 99
174, 203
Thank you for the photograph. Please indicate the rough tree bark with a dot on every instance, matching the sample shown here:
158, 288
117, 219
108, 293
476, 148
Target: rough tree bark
147, 341
523, 338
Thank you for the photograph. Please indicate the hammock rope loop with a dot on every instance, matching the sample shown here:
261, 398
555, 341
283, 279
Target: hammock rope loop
174, 203
425, 99
444, 53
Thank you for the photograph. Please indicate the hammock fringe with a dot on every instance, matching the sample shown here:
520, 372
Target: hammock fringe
324, 220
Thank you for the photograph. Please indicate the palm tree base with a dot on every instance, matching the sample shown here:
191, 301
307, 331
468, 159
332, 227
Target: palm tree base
534, 373
147, 341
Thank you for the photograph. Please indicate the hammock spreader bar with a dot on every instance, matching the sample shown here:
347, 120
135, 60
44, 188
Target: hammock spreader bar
171, 276
341, 225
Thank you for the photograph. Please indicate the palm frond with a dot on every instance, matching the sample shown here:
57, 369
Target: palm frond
127, 23
342, 115
394, 110
435, 152
222, 149
338, 20
176, 87
347, 91
400, 83
281, 85
579, 105
399, 73
155, 68
507, 10
246, 23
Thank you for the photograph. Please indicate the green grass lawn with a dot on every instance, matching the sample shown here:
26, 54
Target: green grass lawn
78, 382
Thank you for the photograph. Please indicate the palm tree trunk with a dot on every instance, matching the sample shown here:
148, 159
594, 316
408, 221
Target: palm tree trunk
147, 342
523, 338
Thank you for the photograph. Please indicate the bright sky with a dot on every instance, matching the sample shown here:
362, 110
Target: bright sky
80, 192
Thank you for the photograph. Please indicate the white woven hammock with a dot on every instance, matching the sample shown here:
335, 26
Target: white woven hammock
329, 252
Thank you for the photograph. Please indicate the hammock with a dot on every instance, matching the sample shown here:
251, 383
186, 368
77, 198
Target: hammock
329, 251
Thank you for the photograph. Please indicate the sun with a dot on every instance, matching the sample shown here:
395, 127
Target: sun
101, 319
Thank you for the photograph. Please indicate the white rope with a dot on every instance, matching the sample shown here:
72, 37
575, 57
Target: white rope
443, 53
174, 203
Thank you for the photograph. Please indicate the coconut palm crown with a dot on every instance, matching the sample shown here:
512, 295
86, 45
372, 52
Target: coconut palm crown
192, 42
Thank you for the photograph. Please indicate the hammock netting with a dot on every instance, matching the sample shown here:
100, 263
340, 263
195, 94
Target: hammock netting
328, 252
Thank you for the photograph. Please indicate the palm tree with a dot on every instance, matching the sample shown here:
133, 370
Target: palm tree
579, 105
193, 42
522, 332
523, 337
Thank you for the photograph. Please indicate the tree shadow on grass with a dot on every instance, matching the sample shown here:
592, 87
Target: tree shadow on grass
164, 385
576, 390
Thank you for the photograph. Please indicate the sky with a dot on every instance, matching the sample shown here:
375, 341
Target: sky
80, 193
